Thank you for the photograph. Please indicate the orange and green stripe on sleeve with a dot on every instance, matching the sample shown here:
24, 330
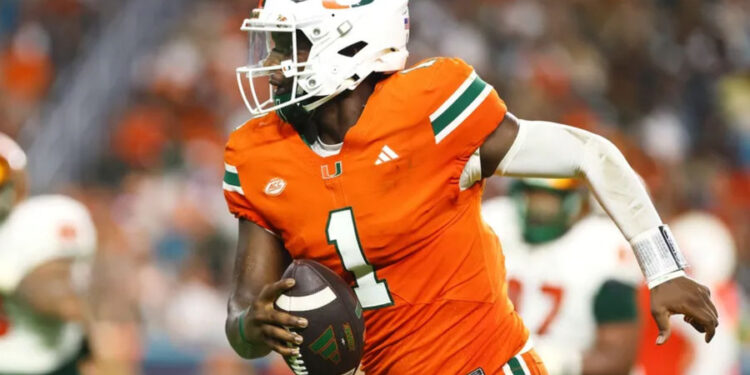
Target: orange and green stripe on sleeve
459, 106
232, 180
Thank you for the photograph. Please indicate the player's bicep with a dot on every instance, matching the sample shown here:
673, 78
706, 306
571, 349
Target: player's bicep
261, 259
497, 145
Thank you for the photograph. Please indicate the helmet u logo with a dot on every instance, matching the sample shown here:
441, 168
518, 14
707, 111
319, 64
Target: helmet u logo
344, 4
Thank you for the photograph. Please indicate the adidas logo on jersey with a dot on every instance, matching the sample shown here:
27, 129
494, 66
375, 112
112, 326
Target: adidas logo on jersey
386, 155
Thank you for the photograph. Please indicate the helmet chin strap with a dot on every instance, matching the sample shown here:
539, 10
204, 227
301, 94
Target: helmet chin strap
298, 114
347, 85
294, 114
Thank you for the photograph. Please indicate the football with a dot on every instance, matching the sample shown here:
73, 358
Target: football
334, 338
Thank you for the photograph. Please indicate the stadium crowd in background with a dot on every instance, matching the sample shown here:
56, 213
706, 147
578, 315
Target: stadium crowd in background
668, 82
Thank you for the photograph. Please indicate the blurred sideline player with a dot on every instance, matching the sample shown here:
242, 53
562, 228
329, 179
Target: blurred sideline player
46, 244
567, 277
710, 249
377, 172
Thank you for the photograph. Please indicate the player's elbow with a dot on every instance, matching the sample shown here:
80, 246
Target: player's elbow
601, 158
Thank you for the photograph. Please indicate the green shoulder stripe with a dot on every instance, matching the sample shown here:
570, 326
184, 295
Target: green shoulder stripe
232, 179
459, 106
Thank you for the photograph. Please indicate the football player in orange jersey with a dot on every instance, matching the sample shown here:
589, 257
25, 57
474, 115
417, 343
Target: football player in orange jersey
376, 172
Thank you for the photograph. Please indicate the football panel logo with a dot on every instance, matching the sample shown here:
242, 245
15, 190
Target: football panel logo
326, 346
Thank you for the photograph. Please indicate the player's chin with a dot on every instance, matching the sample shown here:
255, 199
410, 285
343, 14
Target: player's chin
281, 87
282, 90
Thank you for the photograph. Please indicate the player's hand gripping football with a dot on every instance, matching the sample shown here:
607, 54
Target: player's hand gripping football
263, 323
683, 296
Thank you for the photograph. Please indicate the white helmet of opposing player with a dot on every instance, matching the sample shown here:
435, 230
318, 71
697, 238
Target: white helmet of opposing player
350, 39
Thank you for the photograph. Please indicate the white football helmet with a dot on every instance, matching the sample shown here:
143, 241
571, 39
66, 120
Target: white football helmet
350, 40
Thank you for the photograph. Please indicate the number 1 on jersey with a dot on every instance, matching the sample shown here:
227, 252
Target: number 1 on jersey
342, 233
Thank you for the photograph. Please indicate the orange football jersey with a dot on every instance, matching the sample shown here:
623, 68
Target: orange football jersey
387, 214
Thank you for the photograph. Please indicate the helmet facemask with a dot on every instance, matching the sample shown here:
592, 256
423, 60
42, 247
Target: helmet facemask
346, 44
273, 48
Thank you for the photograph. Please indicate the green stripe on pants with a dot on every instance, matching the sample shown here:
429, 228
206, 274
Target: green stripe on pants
515, 367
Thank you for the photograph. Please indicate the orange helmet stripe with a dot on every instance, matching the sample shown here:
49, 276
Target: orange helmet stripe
333, 4
4, 171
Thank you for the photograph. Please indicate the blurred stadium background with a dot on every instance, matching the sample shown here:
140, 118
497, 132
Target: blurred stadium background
125, 105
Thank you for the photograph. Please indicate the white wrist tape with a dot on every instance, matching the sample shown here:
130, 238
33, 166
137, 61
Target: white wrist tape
658, 255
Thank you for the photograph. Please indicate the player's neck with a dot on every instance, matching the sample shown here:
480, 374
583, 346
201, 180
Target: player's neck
336, 117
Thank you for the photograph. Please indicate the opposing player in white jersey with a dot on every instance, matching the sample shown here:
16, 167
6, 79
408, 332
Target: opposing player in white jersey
569, 277
46, 244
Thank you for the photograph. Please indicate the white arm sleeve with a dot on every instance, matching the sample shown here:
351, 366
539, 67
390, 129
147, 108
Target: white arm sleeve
546, 149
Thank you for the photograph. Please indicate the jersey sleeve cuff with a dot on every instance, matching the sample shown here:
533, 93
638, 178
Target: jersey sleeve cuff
255, 220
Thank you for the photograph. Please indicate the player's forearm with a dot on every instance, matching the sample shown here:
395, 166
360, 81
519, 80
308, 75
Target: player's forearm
545, 149
245, 345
